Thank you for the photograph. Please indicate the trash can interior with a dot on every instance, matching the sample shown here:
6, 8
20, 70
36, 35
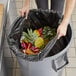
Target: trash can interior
37, 19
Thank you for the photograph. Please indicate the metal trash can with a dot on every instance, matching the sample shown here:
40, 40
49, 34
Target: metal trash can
52, 64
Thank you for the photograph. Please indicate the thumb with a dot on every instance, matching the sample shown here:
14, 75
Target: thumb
59, 35
58, 32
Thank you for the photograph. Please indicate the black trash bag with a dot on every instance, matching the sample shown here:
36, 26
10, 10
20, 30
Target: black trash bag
36, 19
61, 43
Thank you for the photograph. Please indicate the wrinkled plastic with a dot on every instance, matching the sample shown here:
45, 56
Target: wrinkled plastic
36, 19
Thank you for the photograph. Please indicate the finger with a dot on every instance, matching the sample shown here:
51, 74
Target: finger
22, 13
27, 14
60, 35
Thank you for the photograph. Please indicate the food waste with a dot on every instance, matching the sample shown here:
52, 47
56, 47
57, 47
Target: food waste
33, 41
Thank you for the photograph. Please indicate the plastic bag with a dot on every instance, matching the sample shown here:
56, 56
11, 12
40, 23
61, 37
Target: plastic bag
36, 19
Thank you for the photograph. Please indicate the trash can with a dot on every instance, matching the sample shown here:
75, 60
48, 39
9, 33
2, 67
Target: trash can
55, 60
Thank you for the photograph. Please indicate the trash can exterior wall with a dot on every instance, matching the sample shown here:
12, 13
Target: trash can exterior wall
46, 67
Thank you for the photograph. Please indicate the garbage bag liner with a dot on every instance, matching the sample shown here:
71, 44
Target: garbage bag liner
37, 19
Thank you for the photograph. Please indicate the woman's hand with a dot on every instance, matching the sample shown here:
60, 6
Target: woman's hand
62, 30
25, 10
